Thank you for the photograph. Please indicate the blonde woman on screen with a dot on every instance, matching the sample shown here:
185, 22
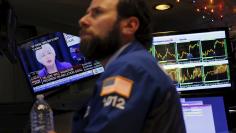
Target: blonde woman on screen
47, 57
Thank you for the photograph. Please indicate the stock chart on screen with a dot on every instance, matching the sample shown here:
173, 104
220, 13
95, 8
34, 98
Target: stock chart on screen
195, 61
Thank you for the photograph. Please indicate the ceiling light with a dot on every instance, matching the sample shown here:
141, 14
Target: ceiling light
162, 7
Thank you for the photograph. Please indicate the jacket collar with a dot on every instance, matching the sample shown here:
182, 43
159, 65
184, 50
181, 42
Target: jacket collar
132, 46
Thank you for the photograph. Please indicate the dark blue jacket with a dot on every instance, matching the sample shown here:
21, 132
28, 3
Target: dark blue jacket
153, 105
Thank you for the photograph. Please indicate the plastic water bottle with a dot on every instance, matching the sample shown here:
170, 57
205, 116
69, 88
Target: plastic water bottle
41, 116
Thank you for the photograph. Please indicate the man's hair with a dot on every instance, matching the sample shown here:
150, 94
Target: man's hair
139, 9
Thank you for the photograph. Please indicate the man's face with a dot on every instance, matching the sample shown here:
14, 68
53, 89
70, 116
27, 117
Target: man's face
100, 33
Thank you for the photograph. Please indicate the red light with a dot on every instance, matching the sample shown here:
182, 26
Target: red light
220, 7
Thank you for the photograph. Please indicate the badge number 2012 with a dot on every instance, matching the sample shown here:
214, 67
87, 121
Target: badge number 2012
114, 101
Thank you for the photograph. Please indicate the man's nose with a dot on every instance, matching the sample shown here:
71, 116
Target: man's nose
84, 21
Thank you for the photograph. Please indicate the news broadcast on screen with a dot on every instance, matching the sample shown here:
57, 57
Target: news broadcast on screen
55, 59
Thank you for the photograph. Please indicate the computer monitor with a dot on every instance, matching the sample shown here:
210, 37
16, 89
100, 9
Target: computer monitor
205, 115
53, 60
195, 60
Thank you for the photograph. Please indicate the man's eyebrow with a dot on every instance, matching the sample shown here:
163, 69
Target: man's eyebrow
94, 9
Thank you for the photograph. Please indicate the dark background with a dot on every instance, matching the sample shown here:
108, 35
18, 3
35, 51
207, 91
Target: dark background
43, 16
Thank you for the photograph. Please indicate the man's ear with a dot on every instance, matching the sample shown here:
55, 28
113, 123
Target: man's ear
129, 26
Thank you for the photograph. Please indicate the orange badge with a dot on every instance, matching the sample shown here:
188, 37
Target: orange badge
117, 84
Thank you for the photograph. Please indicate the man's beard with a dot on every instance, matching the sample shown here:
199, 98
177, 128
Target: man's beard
97, 48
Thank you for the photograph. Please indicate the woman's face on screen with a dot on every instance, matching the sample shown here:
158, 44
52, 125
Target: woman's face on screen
46, 55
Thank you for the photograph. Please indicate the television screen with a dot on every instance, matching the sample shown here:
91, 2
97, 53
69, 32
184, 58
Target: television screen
195, 61
205, 115
53, 60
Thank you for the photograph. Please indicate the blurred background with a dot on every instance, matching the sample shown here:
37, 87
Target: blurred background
23, 19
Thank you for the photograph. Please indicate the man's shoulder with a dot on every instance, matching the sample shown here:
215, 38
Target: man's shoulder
139, 63
137, 59
135, 51
136, 62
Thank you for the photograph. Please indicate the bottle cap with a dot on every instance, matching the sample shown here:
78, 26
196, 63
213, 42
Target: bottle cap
40, 96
